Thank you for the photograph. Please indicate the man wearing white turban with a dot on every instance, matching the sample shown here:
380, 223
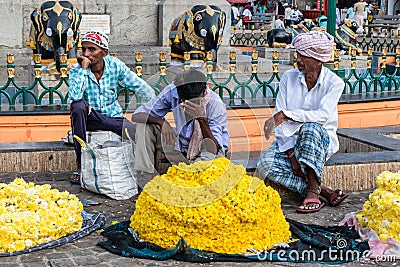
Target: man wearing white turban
305, 121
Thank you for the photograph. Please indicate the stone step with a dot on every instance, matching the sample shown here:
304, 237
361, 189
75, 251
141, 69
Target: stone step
348, 171
151, 66
364, 154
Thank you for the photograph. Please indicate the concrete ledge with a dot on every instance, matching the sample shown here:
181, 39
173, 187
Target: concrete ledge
34, 146
356, 176
36, 157
365, 153
372, 152
377, 136
340, 159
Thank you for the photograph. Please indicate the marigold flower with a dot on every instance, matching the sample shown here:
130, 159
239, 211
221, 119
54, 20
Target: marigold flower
381, 211
212, 205
33, 214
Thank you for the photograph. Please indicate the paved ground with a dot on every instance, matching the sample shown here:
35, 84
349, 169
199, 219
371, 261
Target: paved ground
84, 252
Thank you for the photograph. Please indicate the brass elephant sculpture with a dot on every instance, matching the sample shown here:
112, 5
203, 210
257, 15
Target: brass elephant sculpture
197, 31
345, 34
54, 30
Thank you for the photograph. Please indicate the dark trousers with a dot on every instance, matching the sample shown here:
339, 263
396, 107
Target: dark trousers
82, 121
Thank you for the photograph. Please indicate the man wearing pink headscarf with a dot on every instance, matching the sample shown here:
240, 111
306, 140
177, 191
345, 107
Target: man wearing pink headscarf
305, 121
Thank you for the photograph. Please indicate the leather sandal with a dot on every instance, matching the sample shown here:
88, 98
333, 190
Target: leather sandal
75, 178
307, 201
135, 198
337, 197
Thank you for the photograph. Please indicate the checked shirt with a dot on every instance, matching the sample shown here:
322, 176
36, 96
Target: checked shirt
102, 95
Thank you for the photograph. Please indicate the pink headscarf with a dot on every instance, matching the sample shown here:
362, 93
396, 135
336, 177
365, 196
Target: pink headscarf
315, 44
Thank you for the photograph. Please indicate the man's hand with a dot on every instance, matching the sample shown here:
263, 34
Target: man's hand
269, 127
175, 158
168, 135
83, 61
272, 122
193, 109
296, 167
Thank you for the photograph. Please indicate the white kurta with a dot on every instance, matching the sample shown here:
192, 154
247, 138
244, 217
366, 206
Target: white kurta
317, 105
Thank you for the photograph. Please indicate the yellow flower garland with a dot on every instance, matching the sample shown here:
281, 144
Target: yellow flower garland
212, 205
33, 214
382, 211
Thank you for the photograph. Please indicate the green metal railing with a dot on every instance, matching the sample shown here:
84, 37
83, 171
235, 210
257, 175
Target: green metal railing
235, 88
369, 81
243, 37
378, 43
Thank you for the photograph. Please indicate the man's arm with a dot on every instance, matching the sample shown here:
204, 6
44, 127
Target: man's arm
325, 110
143, 117
273, 122
198, 112
213, 146
77, 78
168, 135
136, 84
152, 112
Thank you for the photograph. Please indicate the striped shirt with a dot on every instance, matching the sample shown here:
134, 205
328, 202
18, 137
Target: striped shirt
102, 95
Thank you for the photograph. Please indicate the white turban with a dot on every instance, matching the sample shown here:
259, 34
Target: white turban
97, 37
315, 44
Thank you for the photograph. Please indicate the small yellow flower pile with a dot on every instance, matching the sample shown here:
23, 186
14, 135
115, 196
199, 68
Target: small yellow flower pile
33, 214
382, 211
212, 205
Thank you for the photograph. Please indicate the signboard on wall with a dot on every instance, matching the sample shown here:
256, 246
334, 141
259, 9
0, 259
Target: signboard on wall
95, 22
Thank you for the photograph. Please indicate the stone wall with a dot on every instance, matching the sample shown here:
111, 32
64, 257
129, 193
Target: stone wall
133, 22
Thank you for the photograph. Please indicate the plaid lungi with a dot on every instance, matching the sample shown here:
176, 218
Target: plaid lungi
310, 151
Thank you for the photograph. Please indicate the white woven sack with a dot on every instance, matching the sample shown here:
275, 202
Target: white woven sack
108, 169
98, 138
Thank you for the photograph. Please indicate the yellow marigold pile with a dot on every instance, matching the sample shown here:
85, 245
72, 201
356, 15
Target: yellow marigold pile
32, 214
382, 211
212, 205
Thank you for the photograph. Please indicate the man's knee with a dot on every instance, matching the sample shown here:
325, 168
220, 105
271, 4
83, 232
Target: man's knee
144, 130
77, 106
128, 130
312, 128
147, 134
314, 131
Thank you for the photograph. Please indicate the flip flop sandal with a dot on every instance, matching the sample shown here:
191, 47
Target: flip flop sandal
338, 197
310, 201
136, 197
75, 178
69, 140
